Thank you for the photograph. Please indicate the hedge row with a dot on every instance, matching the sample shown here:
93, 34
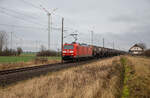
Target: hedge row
11, 52
47, 53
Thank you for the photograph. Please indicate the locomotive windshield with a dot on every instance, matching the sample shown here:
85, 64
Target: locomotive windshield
68, 47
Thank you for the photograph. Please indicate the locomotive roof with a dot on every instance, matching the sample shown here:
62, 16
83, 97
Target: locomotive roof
82, 44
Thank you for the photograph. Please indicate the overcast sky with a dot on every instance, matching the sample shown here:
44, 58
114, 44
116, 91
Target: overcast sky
124, 22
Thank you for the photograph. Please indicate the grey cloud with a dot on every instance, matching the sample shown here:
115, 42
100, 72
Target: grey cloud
125, 21
125, 40
124, 18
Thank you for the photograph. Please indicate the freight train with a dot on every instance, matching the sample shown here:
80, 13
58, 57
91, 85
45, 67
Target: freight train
76, 51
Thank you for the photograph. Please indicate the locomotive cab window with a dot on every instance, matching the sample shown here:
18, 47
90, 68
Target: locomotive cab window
68, 47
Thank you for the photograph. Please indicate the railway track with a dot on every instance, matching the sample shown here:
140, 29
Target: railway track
24, 69
12, 76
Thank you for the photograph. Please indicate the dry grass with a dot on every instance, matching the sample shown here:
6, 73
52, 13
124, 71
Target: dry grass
139, 77
142, 65
7, 66
100, 79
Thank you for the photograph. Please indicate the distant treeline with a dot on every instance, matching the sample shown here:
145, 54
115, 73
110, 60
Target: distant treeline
48, 53
11, 52
147, 53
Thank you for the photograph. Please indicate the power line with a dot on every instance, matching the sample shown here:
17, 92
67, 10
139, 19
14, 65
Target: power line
12, 11
4, 12
23, 26
35, 6
46, 1
18, 17
42, 1
16, 26
20, 13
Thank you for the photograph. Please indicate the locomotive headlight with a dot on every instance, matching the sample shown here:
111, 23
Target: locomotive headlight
71, 51
64, 51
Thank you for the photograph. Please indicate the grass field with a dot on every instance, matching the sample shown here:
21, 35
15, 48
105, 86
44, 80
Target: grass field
11, 59
137, 77
99, 79
25, 60
22, 58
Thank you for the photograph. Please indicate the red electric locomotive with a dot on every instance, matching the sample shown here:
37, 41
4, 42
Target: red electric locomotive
76, 51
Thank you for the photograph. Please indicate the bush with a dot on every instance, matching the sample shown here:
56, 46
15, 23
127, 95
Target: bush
147, 53
47, 53
19, 50
8, 52
11, 52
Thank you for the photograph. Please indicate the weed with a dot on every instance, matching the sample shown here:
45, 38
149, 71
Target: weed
125, 92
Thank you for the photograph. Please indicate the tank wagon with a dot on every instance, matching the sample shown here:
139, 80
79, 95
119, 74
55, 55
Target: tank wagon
76, 51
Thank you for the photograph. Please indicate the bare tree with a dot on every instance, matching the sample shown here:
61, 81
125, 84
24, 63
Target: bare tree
19, 50
3, 40
42, 48
143, 45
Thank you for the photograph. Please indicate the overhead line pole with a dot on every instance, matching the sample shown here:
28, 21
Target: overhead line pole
11, 40
49, 15
62, 39
103, 42
49, 30
113, 45
92, 37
